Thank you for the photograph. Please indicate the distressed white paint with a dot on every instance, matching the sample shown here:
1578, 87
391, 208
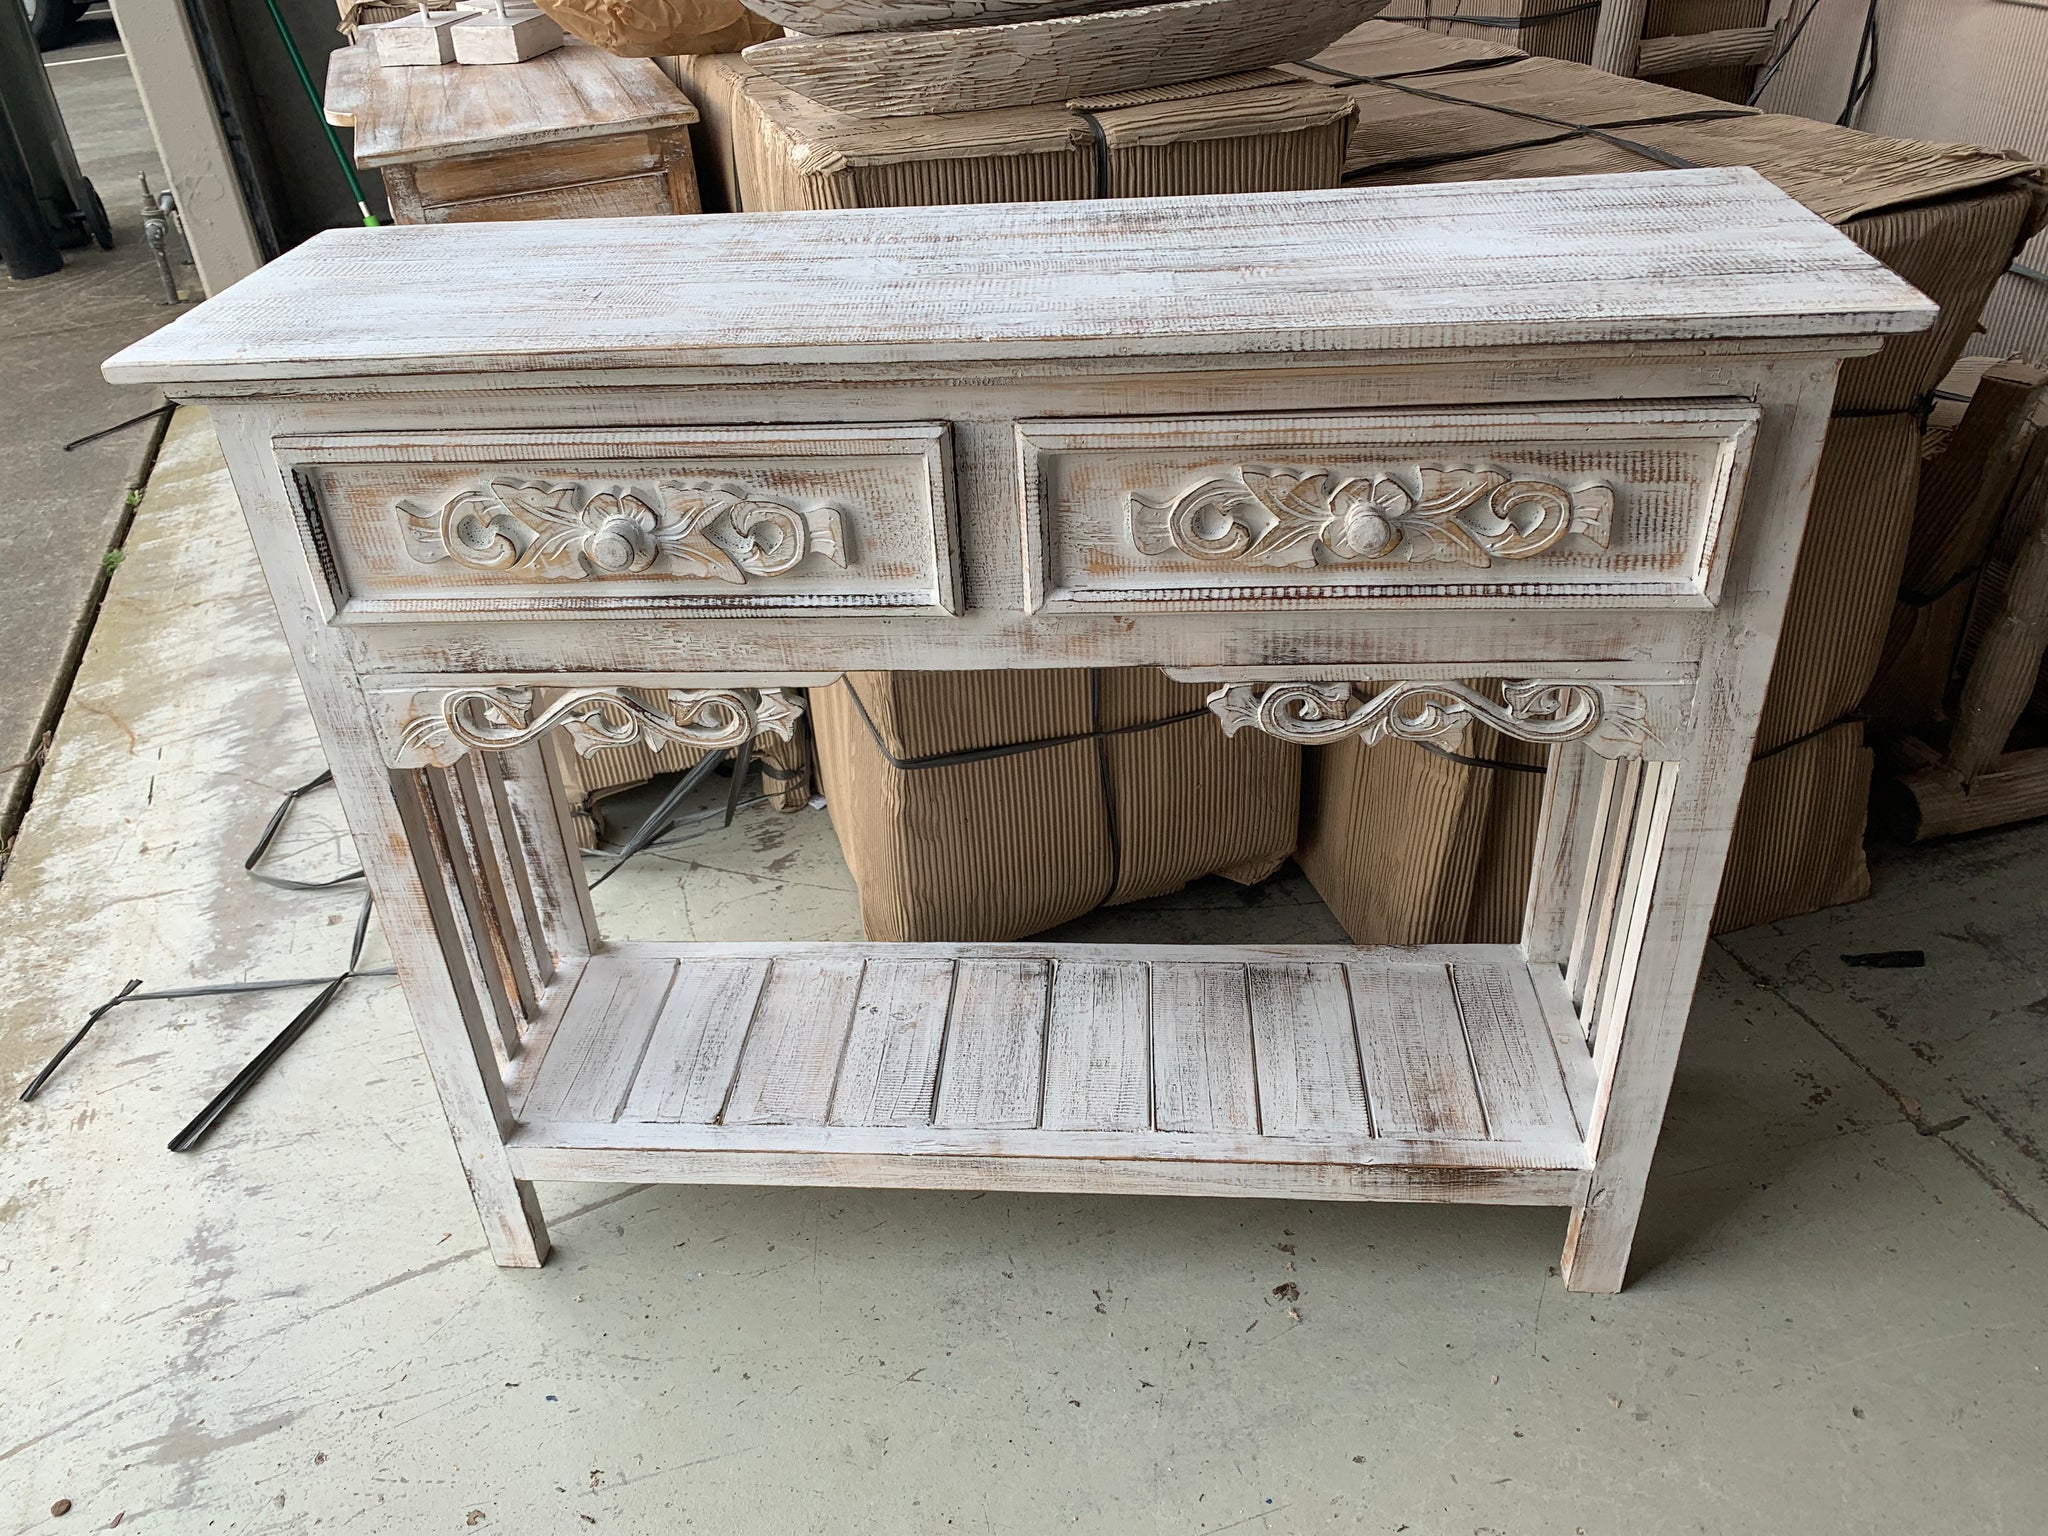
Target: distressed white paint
996, 317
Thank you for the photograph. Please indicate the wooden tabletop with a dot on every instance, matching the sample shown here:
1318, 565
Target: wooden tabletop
1648, 257
415, 112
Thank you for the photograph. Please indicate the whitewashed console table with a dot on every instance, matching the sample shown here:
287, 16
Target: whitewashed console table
1374, 463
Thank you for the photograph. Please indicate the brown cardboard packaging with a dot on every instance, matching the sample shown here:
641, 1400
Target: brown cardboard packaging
990, 805
1009, 842
1563, 29
769, 148
1557, 29
1946, 217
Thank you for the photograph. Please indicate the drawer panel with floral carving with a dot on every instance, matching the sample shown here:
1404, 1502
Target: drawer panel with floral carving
653, 521
1628, 505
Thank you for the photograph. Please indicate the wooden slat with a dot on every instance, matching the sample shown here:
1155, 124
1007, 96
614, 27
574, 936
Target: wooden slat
891, 1065
1567, 1039
513, 858
1098, 1070
1310, 1079
1520, 1086
596, 1051
488, 967
1620, 793
791, 1057
1417, 1072
695, 1051
1202, 1077
489, 854
995, 1045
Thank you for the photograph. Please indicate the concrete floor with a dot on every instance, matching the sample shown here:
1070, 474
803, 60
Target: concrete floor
1838, 1323
64, 511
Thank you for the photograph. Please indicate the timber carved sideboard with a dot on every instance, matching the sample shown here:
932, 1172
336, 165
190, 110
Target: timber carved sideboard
1377, 464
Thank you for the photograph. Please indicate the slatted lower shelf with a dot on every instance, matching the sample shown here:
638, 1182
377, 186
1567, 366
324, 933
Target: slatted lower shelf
1446, 1073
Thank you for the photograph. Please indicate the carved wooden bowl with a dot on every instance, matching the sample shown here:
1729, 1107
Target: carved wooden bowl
826, 18
1050, 56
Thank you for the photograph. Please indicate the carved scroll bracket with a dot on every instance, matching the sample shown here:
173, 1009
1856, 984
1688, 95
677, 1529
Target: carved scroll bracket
568, 532
1295, 519
1615, 720
437, 727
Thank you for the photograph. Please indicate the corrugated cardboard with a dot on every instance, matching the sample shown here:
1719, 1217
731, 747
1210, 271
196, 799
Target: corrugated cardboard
1563, 29
1094, 787
1947, 217
770, 148
1013, 844
784, 768
1375, 813
1557, 29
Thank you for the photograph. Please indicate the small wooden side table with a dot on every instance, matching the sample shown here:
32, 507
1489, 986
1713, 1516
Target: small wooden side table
1383, 463
574, 134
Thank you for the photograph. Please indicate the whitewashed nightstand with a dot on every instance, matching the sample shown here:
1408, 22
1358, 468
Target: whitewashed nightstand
1373, 463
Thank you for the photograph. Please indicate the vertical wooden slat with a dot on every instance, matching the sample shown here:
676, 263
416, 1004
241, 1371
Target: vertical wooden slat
512, 858
992, 1074
1620, 795
466, 900
1098, 1067
1202, 1073
596, 1052
541, 823
791, 1056
1570, 787
695, 1051
1632, 909
891, 1067
1418, 1076
503, 922
1521, 1088
1310, 1077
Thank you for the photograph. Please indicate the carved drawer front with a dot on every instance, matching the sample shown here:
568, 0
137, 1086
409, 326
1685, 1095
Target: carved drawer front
657, 521
1599, 505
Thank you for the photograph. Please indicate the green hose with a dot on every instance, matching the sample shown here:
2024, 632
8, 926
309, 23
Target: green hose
355, 187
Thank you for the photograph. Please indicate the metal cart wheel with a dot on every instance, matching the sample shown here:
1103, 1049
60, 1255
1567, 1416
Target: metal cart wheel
52, 20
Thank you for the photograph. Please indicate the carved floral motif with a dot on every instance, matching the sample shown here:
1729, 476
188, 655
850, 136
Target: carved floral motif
1617, 719
567, 532
441, 727
1467, 516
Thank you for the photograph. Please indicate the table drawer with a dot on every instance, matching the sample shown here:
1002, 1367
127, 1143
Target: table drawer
658, 521
534, 167
1626, 505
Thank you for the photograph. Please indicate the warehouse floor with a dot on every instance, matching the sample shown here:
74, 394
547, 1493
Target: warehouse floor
1838, 1324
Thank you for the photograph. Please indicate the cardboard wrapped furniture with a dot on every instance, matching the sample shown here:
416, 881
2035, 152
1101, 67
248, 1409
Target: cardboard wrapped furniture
1946, 217
1072, 788
767, 147
1275, 444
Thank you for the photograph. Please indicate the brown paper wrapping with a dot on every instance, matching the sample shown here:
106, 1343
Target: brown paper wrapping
1014, 844
1946, 217
649, 29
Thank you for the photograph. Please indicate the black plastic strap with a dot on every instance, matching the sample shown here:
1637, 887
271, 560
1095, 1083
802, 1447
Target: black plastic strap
1095, 132
1481, 762
275, 825
1007, 749
1109, 818
1800, 741
1517, 22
